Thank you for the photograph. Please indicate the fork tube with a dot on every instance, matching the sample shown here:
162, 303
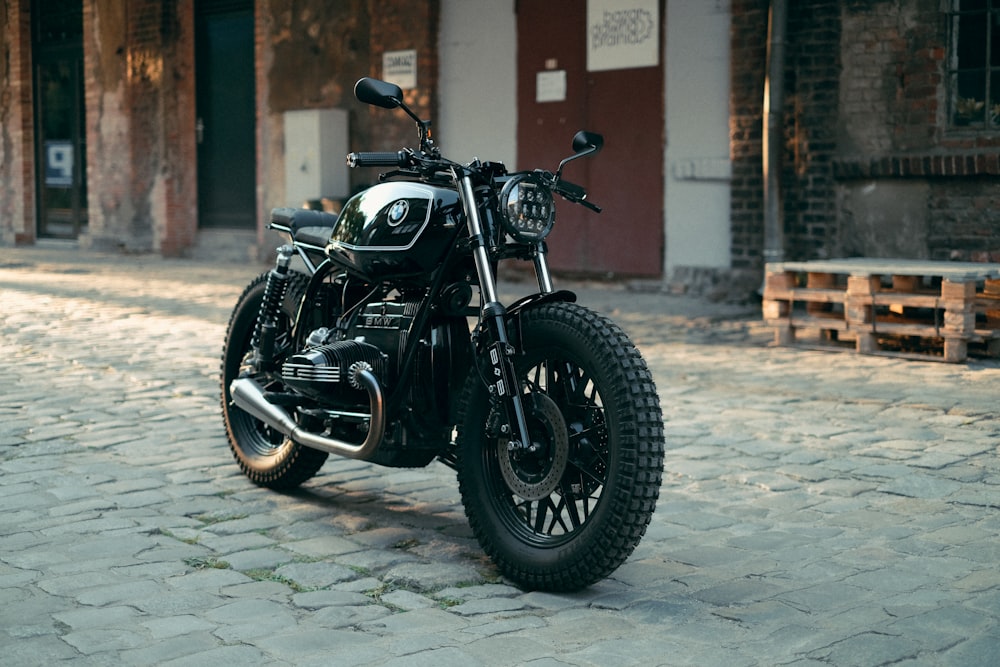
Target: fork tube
503, 384
487, 282
542, 268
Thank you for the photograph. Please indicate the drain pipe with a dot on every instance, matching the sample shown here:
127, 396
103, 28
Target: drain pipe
774, 100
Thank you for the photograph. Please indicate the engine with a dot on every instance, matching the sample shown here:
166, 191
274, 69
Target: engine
324, 372
376, 340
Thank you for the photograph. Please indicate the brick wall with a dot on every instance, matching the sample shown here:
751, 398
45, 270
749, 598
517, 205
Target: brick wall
809, 138
139, 95
812, 97
309, 55
180, 198
143, 111
748, 49
903, 135
892, 76
398, 25
964, 219
115, 215
866, 111
316, 51
17, 164
894, 82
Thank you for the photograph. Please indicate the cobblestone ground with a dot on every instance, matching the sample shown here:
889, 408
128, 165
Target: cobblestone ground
817, 508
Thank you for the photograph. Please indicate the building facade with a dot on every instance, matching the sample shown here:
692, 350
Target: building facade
153, 125
890, 131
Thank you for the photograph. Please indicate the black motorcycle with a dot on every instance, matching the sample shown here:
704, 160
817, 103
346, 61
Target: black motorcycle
379, 335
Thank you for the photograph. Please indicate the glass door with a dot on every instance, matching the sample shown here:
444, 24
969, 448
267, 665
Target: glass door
60, 135
61, 147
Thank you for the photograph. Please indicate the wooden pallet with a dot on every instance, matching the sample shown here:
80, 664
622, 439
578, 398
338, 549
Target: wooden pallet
905, 308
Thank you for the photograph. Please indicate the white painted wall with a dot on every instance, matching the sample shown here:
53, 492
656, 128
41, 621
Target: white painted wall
696, 160
478, 84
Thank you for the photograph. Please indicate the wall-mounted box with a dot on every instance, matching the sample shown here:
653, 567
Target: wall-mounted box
316, 141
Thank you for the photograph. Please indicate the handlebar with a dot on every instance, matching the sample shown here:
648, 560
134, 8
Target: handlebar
378, 159
407, 159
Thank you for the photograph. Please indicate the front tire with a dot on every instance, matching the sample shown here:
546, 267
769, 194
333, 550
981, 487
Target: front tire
264, 455
568, 514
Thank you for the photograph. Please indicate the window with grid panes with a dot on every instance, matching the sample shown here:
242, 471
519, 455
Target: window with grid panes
974, 64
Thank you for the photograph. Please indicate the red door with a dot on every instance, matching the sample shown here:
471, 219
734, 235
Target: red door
627, 107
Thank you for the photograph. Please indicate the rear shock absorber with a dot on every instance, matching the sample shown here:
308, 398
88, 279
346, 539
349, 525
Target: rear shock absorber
275, 290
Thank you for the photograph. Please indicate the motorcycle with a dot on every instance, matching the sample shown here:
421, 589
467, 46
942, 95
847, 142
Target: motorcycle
379, 335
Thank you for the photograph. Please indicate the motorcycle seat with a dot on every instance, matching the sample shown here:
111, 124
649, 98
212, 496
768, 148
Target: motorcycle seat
305, 225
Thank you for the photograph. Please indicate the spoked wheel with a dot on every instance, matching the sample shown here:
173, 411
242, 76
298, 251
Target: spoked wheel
569, 509
264, 455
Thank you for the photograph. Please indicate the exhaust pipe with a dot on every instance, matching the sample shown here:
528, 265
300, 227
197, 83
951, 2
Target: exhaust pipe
248, 396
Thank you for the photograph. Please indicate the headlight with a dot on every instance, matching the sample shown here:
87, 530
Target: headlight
527, 208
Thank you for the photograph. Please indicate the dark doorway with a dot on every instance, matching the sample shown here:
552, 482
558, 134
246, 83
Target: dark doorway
558, 95
60, 137
224, 55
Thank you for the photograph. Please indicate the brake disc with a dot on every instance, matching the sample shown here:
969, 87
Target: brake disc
534, 475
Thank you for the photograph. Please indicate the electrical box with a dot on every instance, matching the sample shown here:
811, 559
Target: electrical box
316, 142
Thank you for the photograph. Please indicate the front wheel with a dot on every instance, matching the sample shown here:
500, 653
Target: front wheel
570, 509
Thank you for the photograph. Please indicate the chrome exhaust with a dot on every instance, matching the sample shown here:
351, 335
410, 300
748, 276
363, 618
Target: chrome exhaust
248, 395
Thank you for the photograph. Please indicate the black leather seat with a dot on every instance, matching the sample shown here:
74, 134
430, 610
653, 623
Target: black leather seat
305, 225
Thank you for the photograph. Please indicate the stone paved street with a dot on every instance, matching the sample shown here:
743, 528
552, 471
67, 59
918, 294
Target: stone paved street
817, 508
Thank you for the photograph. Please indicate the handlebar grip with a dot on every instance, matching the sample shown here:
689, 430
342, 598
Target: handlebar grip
377, 159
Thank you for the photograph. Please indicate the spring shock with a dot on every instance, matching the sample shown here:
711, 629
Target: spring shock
275, 290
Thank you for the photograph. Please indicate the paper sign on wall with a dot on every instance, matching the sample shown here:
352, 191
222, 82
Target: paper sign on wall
58, 164
400, 68
550, 86
622, 34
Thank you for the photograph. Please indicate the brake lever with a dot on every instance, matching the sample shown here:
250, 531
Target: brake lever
576, 194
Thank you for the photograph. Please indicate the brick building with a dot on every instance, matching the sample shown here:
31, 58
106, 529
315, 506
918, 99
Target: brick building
135, 124
146, 125
891, 129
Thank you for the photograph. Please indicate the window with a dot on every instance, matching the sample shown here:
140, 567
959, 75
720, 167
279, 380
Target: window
974, 64
57, 21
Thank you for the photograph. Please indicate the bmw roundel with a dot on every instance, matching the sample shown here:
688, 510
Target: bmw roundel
398, 211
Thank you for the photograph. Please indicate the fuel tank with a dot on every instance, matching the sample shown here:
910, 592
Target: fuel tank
396, 229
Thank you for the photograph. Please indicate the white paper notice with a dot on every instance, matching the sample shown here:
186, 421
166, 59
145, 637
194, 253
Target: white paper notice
550, 86
400, 68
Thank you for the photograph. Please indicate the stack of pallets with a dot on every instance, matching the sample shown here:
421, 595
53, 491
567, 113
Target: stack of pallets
907, 308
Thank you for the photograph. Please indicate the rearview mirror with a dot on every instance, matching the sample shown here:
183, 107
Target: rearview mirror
584, 144
587, 141
378, 93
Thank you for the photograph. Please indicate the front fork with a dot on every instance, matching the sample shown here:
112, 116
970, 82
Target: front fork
502, 380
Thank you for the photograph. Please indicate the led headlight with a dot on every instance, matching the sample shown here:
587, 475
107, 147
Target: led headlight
527, 208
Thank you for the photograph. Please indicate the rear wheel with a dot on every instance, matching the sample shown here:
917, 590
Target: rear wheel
568, 511
264, 455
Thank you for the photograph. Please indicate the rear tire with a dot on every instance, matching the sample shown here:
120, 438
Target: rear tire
570, 513
264, 455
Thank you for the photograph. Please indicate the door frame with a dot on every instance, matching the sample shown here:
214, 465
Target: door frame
245, 217
43, 55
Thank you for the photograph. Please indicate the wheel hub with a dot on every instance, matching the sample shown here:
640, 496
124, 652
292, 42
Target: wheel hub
534, 474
